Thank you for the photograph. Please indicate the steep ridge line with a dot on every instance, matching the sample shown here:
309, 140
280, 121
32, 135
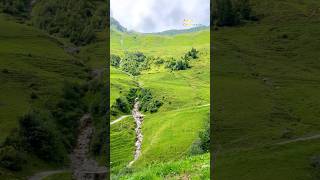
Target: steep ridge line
138, 117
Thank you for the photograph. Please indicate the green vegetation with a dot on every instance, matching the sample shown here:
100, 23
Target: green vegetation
231, 12
175, 104
48, 84
266, 78
15, 7
195, 167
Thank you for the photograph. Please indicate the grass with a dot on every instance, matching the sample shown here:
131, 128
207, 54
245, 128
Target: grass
31, 62
266, 78
170, 132
193, 167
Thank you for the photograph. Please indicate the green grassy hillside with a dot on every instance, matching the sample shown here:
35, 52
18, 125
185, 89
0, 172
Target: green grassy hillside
170, 132
266, 84
35, 68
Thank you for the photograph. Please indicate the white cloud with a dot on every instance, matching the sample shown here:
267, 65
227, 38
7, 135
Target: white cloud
160, 15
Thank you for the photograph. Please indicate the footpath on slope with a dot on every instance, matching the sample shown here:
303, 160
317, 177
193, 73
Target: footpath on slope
41, 175
299, 139
83, 167
138, 118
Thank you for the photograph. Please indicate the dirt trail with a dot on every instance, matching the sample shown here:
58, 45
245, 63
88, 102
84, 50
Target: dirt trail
119, 119
83, 167
41, 175
299, 139
138, 117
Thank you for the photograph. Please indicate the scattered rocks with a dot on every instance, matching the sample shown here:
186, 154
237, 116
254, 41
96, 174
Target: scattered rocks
138, 117
82, 167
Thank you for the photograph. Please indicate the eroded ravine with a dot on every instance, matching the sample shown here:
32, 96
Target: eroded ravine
82, 166
138, 118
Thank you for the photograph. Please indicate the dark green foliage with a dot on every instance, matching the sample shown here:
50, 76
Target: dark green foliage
231, 12
68, 111
205, 138
159, 61
134, 63
39, 136
192, 54
15, 7
148, 103
115, 60
74, 19
122, 105
202, 144
11, 159
315, 164
180, 64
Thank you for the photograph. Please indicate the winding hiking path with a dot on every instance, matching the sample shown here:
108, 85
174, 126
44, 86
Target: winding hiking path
138, 117
299, 139
41, 175
119, 119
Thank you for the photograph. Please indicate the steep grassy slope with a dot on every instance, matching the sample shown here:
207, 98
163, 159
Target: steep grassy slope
170, 132
33, 67
266, 78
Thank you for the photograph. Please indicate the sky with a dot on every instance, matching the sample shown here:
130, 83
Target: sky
148, 16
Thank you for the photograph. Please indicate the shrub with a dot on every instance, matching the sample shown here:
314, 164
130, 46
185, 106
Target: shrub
231, 12
315, 164
192, 54
11, 159
122, 105
39, 137
147, 102
15, 7
115, 60
74, 19
176, 65
134, 63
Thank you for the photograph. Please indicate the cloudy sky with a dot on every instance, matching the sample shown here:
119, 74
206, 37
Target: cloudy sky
160, 15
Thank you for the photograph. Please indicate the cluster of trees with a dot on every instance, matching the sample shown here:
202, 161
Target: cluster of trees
49, 133
15, 7
231, 12
74, 19
148, 103
183, 62
132, 63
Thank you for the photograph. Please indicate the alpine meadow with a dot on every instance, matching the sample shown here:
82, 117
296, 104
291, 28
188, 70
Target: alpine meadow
160, 103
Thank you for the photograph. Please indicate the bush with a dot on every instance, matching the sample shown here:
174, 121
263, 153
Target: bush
192, 54
115, 60
122, 105
147, 102
15, 7
231, 12
202, 144
134, 63
39, 137
315, 164
74, 19
11, 159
